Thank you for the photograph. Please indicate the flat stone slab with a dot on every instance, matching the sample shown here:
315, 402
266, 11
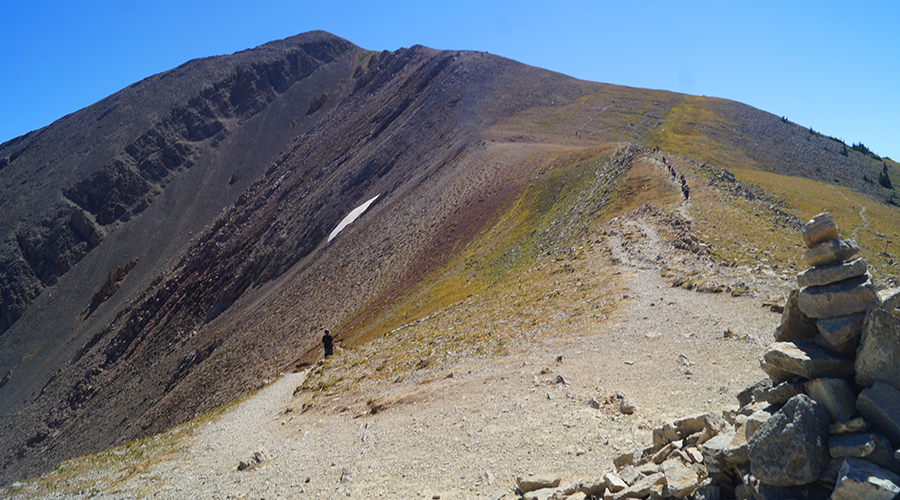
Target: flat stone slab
826, 275
819, 229
860, 479
878, 356
804, 359
880, 406
851, 445
847, 297
831, 252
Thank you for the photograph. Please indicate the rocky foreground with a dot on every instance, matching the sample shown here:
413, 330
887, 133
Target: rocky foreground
825, 424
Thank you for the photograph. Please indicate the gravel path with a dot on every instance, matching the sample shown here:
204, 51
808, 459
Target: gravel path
467, 432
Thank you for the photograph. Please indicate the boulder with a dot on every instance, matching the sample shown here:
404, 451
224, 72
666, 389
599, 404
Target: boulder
878, 356
831, 252
819, 229
795, 325
860, 479
835, 394
713, 451
791, 447
805, 359
880, 406
851, 296
614, 483
536, 482
681, 480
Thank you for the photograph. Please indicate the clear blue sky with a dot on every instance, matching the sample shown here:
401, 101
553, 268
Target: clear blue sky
832, 66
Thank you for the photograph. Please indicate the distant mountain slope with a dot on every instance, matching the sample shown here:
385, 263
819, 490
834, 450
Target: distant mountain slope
166, 249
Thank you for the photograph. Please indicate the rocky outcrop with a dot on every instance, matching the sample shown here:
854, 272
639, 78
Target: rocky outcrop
825, 423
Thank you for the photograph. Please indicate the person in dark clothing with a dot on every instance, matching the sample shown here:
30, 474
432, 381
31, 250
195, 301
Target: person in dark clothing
687, 192
328, 342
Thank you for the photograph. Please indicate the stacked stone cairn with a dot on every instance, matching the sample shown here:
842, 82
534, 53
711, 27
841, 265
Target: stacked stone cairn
825, 424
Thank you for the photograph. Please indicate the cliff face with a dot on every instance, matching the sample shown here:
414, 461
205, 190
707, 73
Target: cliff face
166, 249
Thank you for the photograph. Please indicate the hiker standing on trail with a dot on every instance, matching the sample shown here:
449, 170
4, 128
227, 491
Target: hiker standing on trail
686, 191
328, 342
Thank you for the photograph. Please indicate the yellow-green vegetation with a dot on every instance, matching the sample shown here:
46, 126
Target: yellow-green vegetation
680, 135
525, 277
871, 223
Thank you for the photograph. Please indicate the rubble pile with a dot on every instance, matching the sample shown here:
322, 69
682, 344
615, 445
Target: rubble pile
824, 424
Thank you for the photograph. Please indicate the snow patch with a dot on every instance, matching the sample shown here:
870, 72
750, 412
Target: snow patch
352, 216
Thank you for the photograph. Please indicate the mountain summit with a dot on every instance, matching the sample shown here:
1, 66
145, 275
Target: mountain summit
167, 249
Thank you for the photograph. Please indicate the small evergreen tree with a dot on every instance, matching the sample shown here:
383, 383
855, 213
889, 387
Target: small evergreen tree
884, 179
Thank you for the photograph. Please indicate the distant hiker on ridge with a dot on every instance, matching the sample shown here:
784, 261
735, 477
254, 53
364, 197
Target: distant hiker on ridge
328, 342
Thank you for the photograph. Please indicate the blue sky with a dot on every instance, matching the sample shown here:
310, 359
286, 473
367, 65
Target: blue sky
832, 66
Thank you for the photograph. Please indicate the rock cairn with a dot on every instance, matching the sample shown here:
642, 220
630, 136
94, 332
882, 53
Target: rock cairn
824, 424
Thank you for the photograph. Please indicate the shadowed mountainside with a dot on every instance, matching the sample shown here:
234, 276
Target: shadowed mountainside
165, 249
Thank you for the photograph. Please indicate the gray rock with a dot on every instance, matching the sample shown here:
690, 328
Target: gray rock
831, 252
890, 298
795, 325
819, 229
754, 392
845, 350
831, 472
851, 296
860, 479
804, 359
713, 451
497, 495
880, 406
841, 329
878, 356
258, 457
835, 394
737, 452
713, 424
625, 404
826, 275
790, 448
782, 393
883, 454
537, 482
